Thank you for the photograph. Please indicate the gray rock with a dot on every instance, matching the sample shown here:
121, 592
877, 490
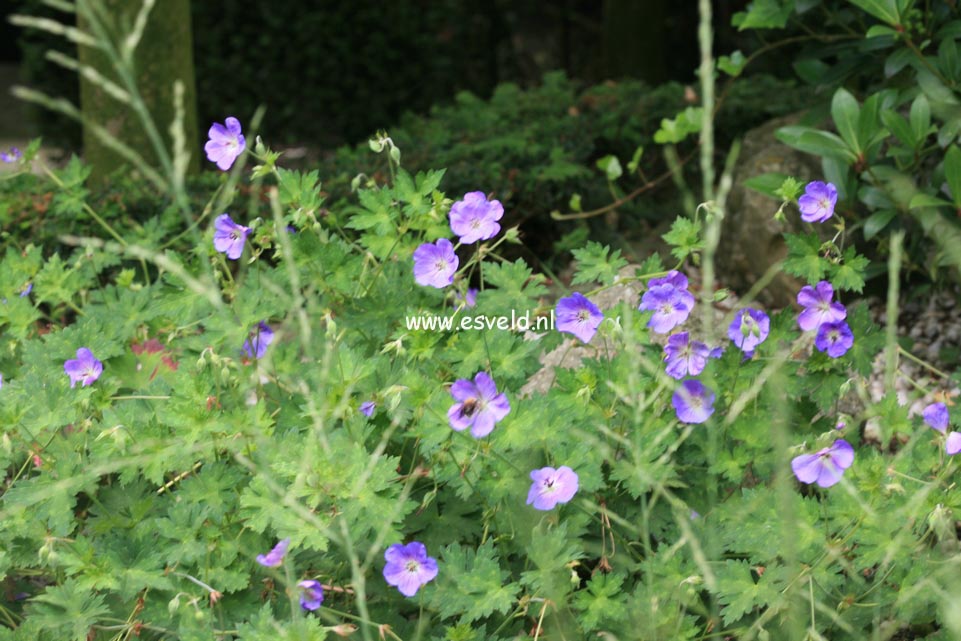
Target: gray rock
750, 238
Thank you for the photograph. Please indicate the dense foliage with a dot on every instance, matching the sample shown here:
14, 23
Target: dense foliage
242, 417
887, 73
535, 149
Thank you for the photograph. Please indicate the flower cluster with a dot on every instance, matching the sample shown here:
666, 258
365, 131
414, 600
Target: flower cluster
937, 417
826, 317
473, 218
670, 301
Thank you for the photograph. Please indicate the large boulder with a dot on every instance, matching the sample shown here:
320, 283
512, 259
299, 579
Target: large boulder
750, 237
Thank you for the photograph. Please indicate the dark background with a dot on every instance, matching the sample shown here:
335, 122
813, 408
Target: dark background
332, 72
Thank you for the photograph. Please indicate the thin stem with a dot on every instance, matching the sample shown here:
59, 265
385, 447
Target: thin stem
891, 330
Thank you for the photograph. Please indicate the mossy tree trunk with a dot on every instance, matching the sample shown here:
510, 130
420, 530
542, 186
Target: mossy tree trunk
163, 56
634, 39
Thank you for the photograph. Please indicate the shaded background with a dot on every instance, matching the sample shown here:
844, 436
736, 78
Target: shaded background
335, 72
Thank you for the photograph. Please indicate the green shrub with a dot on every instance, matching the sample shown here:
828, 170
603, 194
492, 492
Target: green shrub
534, 148
886, 76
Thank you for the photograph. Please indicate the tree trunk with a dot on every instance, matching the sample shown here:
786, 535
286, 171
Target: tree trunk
163, 56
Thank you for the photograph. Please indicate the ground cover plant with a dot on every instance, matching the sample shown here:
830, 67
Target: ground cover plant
231, 421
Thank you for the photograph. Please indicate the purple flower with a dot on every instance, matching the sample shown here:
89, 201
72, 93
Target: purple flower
671, 306
674, 278
229, 237
11, 156
259, 338
825, 467
276, 556
367, 408
685, 357
225, 144
952, 445
311, 594
26, 290
749, 329
936, 416
693, 402
435, 264
408, 567
479, 406
577, 315
834, 338
475, 218
1, 381
469, 299
84, 369
818, 308
551, 487
817, 203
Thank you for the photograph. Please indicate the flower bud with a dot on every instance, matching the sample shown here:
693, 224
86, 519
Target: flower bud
512, 235
343, 630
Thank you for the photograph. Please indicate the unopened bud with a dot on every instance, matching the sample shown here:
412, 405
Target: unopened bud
344, 629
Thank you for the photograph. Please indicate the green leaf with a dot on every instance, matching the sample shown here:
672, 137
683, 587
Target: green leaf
517, 285
764, 14
921, 199
885, 10
813, 141
635, 159
299, 189
767, 184
611, 167
849, 275
899, 127
474, 585
603, 602
790, 189
952, 173
880, 30
920, 118
674, 131
877, 222
68, 609
738, 592
897, 61
845, 112
732, 65
427, 183
948, 60
595, 262
804, 259
684, 237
